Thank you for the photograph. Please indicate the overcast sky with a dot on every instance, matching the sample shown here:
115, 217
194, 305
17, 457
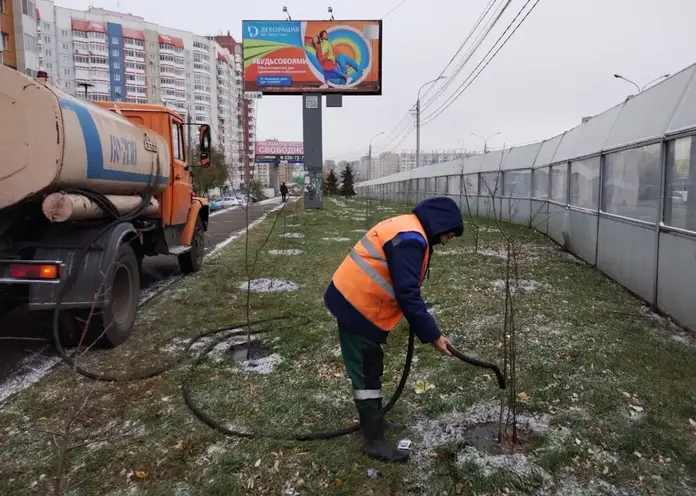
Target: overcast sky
557, 67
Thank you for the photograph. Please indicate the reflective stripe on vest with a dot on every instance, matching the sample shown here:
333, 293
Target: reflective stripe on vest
363, 278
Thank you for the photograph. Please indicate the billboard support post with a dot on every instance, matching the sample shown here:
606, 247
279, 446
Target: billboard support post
313, 159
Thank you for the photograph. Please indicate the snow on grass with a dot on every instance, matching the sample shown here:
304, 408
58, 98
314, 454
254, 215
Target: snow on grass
336, 239
32, 368
264, 365
212, 453
525, 285
292, 235
359, 230
293, 251
338, 202
265, 285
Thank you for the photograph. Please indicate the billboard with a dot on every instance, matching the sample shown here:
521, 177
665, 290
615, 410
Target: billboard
296, 57
272, 151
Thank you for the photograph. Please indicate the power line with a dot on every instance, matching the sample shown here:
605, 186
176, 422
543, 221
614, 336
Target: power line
465, 85
394, 9
461, 47
450, 80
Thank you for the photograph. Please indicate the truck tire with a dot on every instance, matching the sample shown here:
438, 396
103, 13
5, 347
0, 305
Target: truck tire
192, 260
111, 325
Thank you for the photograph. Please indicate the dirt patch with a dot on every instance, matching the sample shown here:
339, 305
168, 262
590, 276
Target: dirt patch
293, 251
264, 365
249, 351
268, 286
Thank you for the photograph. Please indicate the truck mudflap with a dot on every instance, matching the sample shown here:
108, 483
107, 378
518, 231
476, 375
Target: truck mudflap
65, 243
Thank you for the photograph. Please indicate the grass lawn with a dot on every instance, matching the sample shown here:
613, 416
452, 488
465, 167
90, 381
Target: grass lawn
608, 389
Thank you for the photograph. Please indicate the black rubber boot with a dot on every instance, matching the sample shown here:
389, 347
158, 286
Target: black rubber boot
375, 446
390, 425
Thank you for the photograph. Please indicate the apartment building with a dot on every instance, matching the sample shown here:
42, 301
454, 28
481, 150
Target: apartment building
407, 159
104, 55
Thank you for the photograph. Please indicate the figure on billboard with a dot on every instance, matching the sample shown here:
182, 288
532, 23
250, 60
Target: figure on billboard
335, 64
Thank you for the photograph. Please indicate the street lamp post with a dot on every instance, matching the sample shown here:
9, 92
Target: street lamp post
640, 90
485, 140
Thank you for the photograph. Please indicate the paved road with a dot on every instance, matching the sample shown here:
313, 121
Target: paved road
26, 354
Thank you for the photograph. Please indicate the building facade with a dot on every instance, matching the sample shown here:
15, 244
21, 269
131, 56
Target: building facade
101, 55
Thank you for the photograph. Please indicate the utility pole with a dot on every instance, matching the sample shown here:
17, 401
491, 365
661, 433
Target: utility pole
369, 156
418, 118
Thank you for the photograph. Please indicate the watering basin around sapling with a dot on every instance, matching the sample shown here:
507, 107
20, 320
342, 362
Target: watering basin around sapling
249, 350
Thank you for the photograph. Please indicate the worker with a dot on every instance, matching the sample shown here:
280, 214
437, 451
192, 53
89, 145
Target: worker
376, 285
283, 191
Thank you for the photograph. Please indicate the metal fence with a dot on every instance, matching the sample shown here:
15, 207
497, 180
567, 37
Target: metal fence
619, 191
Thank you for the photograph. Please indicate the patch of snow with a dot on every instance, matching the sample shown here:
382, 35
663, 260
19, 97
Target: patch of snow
359, 230
31, 370
338, 202
336, 239
213, 452
292, 225
264, 365
517, 463
293, 251
527, 286
453, 251
434, 310
265, 285
292, 235
494, 253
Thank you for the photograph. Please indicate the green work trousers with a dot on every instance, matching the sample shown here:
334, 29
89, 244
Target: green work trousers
364, 362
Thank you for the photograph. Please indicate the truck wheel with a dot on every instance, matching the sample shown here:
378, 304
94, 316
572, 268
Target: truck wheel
112, 325
192, 260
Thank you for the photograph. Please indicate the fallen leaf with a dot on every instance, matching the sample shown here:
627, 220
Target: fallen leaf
140, 475
179, 446
46, 418
577, 441
258, 462
423, 386
636, 408
339, 482
692, 422
639, 455
522, 395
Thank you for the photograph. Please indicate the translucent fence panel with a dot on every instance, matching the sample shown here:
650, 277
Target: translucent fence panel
680, 194
490, 184
559, 183
517, 183
632, 183
584, 183
441, 185
470, 185
541, 183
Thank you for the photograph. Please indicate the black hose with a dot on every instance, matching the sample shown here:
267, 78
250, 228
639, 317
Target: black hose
311, 436
479, 363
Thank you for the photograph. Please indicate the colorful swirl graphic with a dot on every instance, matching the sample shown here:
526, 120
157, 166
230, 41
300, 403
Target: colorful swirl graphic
354, 56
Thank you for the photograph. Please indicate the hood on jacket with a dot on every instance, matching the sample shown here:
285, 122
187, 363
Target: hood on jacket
439, 215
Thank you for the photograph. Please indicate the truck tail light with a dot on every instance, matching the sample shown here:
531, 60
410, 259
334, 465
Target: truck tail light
45, 272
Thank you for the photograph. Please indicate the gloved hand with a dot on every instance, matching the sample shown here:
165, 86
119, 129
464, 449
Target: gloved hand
440, 344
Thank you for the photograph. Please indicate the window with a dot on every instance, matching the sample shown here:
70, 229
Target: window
65, 46
680, 188
49, 65
5, 41
177, 142
47, 26
48, 53
490, 184
559, 183
117, 77
2, 6
632, 183
64, 32
115, 52
117, 65
517, 183
541, 183
114, 40
66, 72
47, 39
584, 183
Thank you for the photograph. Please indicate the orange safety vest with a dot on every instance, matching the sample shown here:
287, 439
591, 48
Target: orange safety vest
363, 278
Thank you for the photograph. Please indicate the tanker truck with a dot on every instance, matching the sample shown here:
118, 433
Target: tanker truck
87, 190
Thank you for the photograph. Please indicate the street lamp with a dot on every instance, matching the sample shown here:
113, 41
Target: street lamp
369, 155
485, 140
619, 76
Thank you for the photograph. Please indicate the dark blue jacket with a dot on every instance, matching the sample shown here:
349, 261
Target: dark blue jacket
405, 254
